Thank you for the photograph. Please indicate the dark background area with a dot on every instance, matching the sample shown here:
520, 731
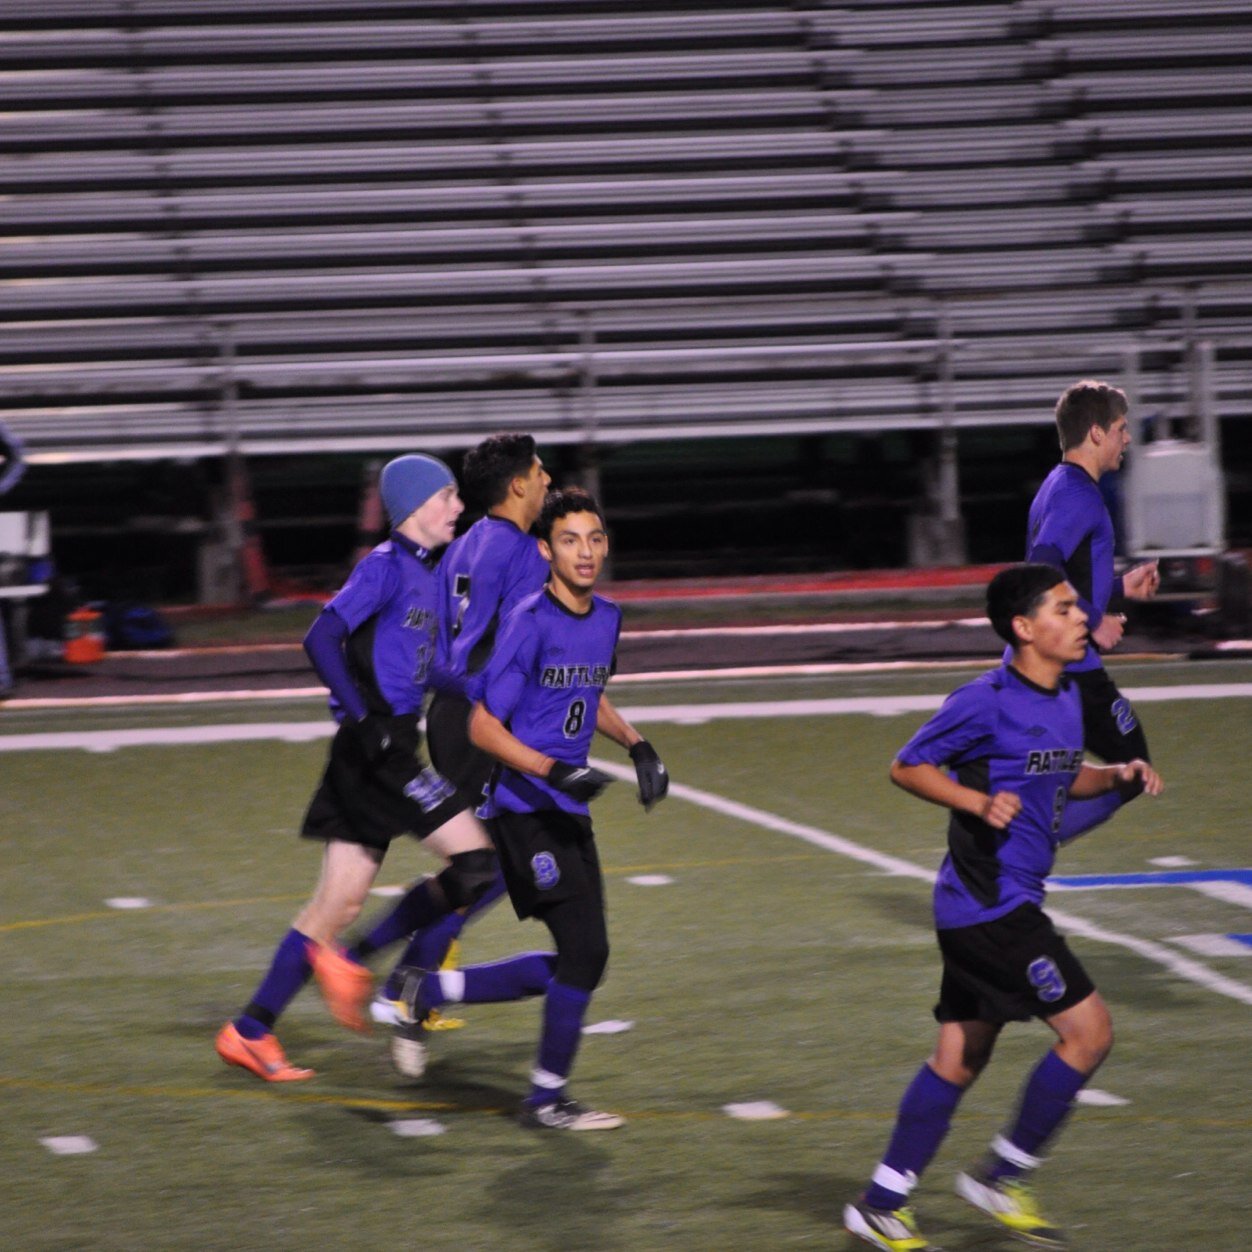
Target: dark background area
687, 508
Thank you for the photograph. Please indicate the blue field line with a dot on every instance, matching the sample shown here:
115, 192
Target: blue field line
1246, 940
1161, 878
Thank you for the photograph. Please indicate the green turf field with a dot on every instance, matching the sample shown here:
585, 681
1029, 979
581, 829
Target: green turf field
769, 969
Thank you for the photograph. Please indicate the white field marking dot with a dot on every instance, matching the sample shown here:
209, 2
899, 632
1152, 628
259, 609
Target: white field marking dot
1093, 1095
387, 891
1172, 862
608, 1028
755, 1111
651, 880
69, 1145
416, 1128
129, 902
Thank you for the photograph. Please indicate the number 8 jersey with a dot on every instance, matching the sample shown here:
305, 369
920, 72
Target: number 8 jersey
544, 681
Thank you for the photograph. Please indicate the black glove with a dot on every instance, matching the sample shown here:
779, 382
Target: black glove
651, 774
579, 782
373, 733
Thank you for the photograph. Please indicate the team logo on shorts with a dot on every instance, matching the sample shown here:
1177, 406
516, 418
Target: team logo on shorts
547, 872
1047, 980
429, 790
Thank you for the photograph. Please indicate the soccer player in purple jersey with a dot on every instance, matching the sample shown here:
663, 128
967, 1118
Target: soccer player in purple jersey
1004, 754
375, 645
482, 575
537, 706
1070, 527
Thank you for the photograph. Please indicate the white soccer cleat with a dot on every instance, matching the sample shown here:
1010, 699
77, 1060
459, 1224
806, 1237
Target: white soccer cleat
566, 1114
385, 1011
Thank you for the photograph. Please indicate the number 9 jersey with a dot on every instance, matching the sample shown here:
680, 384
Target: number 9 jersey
544, 682
1001, 732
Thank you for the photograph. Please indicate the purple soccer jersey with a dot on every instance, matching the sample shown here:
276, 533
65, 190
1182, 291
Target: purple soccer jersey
485, 574
1069, 525
544, 681
1001, 732
390, 605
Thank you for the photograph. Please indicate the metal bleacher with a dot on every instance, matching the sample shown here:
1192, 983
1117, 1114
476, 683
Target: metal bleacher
334, 224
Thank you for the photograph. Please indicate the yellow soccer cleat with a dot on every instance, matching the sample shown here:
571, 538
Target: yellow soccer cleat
452, 958
891, 1230
435, 1020
1011, 1203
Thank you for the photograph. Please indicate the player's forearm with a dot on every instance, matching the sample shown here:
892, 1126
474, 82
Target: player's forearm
488, 732
928, 782
611, 723
324, 645
1099, 780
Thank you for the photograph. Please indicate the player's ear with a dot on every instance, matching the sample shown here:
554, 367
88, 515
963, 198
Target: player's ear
1023, 628
545, 551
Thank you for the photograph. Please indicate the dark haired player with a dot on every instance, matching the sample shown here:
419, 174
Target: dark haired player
482, 574
1070, 527
1004, 754
375, 646
537, 705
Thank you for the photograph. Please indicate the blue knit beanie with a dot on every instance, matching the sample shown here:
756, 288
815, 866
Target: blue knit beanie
409, 481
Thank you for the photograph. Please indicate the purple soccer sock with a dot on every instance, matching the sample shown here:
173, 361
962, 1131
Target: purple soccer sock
514, 978
418, 907
426, 950
922, 1121
1081, 816
1045, 1103
288, 972
429, 947
563, 1011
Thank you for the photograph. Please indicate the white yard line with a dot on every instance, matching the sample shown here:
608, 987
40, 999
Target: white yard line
1183, 967
681, 714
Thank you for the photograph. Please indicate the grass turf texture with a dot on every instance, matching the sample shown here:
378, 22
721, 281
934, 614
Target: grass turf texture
769, 970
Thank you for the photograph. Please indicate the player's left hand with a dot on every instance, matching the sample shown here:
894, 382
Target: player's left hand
1140, 777
1142, 582
650, 773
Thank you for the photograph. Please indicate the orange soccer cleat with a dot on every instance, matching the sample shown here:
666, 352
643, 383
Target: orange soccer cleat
263, 1056
346, 986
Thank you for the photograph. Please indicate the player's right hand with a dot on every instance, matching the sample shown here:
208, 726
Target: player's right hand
1140, 777
579, 782
1108, 634
373, 734
1000, 809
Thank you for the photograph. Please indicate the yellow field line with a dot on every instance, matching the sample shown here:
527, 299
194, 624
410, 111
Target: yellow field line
287, 1094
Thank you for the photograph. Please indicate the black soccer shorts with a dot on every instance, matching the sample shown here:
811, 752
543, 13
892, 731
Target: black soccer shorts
546, 857
1008, 970
371, 804
1110, 728
451, 752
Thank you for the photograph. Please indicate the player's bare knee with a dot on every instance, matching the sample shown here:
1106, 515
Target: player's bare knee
1100, 1045
467, 877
